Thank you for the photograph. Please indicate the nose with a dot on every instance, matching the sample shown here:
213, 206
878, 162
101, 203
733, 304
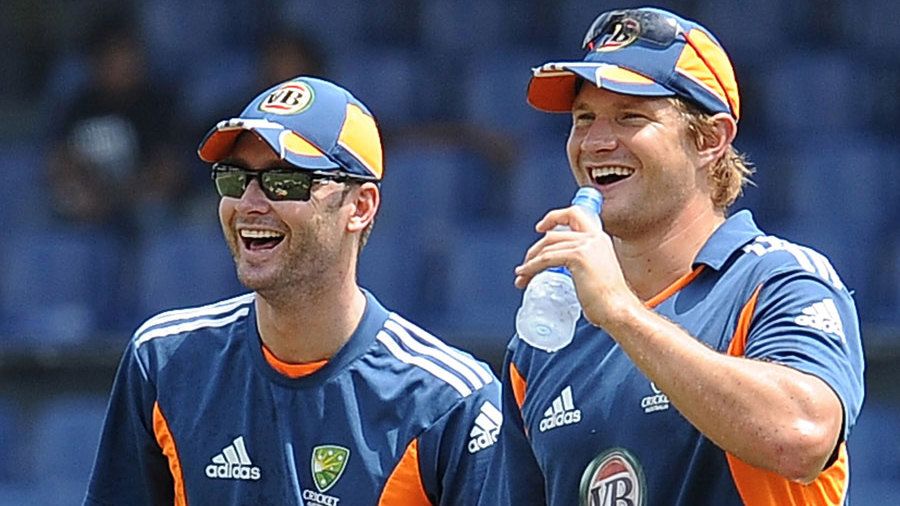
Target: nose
253, 199
599, 137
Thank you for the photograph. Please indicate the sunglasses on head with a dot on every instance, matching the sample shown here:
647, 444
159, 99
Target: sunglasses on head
630, 24
276, 184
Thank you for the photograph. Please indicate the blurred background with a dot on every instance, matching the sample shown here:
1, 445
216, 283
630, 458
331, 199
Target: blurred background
112, 218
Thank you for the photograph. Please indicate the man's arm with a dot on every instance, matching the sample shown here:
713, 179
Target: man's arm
768, 415
130, 467
455, 452
515, 475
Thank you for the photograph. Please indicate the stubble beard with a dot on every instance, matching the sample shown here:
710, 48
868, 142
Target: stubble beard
300, 272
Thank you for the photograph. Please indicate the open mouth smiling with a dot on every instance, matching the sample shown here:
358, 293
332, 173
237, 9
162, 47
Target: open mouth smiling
604, 176
257, 239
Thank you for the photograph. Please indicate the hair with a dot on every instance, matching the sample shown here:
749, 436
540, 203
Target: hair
730, 172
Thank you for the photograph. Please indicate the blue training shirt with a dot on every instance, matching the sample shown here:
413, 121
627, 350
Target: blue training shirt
585, 426
198, 416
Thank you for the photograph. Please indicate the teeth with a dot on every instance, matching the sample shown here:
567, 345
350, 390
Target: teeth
611, 171
260, 234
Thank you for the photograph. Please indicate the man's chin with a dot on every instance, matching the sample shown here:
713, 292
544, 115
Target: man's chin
257, 281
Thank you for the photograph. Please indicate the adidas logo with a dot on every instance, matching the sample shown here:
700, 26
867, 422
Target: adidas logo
822, 316
561, 412
486, 428
233, 463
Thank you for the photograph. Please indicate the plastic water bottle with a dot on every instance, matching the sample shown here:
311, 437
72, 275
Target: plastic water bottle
550, 308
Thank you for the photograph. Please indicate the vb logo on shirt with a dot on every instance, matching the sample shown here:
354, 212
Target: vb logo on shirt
614, 478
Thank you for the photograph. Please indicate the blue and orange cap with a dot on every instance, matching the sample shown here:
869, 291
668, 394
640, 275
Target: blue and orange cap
312, 124
645, 52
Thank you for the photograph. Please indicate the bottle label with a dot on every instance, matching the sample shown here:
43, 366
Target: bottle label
561, 270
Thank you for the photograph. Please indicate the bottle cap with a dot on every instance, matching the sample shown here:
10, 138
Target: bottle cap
590, 198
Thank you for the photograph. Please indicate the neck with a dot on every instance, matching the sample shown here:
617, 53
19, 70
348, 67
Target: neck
305, 326
660, 257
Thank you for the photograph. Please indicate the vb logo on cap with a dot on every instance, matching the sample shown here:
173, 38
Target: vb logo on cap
290, 98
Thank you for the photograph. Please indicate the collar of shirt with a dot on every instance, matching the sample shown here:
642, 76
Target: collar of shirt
738, 230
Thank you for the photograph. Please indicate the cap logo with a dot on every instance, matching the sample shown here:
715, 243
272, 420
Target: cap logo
291, 98
624, 32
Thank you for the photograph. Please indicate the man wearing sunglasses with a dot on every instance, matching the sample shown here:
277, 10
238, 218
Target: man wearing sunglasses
715, 365
307, 390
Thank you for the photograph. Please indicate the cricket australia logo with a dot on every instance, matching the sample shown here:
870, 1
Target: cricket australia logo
658, 401
328, 464
614, 478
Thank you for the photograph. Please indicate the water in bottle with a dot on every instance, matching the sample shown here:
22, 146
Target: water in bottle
550, 308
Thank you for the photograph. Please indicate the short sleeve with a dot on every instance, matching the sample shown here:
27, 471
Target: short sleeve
808, 323
456, 450
516, 477
130, 467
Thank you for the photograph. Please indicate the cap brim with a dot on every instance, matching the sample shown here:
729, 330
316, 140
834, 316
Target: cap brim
552, 86
287, 145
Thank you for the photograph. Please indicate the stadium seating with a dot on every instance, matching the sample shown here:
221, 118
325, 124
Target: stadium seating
874, 448
481, 299
64, 441
541, 181
393, 266
818, 83
494, 89
21, 193
795, 88
837, 196
182, 267
60, 285
387, 80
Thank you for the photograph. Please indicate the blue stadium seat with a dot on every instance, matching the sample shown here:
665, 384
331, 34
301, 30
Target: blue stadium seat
729, 20
207, 93
339, 28
10, 436
877, 35
481, 299
766, 195
61, 285
23, 193
184, 267
465, 26
433, 184
388, 80
64, 443
494, 93
810, 93
212, 27
542, 180
394, 267
874, 448
838, 194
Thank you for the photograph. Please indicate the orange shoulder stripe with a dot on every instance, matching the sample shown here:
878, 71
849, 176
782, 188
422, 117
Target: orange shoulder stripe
167, 443
742, 330
518, 384
404, 485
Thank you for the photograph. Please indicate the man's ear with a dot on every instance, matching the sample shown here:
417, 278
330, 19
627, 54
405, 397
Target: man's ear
366, 200
712, 147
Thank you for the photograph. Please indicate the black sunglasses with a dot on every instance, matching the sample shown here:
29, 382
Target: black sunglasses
629, 24
277, 184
